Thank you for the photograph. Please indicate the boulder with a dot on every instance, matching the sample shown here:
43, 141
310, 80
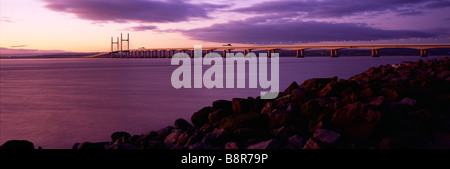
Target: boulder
278, 118
326, 136
231, 145
389, 94
222, 104
282, 102
182, 124
267, 109
296, 142
200, 117
366, 93
269, 144
163, 133
172, 138
249, 120
218, 115
311, 109
328, 90
217, 138
242, 106
408, 101
312, 144
356, 120
317, 83
195, 138
17, 144
299, 96
291, 87
376, 101
183, 138
120, 137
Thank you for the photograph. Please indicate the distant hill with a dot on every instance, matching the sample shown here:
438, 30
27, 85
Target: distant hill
35, 53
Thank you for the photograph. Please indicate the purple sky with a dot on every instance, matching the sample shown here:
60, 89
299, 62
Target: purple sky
185, 22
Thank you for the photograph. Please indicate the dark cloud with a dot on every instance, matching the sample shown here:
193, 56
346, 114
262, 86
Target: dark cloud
132, 10
294, 31
438, 4
143, 28
18, 46
340, 8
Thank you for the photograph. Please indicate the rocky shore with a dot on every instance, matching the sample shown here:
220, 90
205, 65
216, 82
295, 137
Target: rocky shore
387, 107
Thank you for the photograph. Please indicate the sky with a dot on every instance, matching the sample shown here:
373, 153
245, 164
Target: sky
88, 25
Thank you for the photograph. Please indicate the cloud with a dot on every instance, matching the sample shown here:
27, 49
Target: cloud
147, 11
340, 8
143, 28
5, 19
294, 31
438, 4
18, 46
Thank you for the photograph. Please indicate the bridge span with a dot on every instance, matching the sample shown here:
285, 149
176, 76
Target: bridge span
300, 49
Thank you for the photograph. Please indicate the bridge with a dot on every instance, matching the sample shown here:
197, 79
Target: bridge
300, 50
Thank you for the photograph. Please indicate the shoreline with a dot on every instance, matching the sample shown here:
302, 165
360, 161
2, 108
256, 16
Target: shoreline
389, 106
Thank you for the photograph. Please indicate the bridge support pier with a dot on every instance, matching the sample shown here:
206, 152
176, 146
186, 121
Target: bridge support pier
423, 53
375, 53
270, 52
300, 53
334, 53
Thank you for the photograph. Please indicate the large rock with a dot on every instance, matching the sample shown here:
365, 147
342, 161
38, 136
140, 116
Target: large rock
269, 144
267, 109
120, 137
221, 104
182, 124
356, 120
317, 83
278, 118
326, 136
329, 89
291, 87
311, 109
299, 96
218, 115
282, 102
172, 138
242, 106
200, 117
17, 144
312, 144
389, 94
249, 120
161, 134
183, 138
231, 145
296, 142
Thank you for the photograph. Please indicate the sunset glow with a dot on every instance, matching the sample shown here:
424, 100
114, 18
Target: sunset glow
88, 25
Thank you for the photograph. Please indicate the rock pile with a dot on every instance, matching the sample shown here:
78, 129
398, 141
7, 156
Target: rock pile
391, 106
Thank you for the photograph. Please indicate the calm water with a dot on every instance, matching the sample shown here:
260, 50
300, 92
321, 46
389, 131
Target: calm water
57, 102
